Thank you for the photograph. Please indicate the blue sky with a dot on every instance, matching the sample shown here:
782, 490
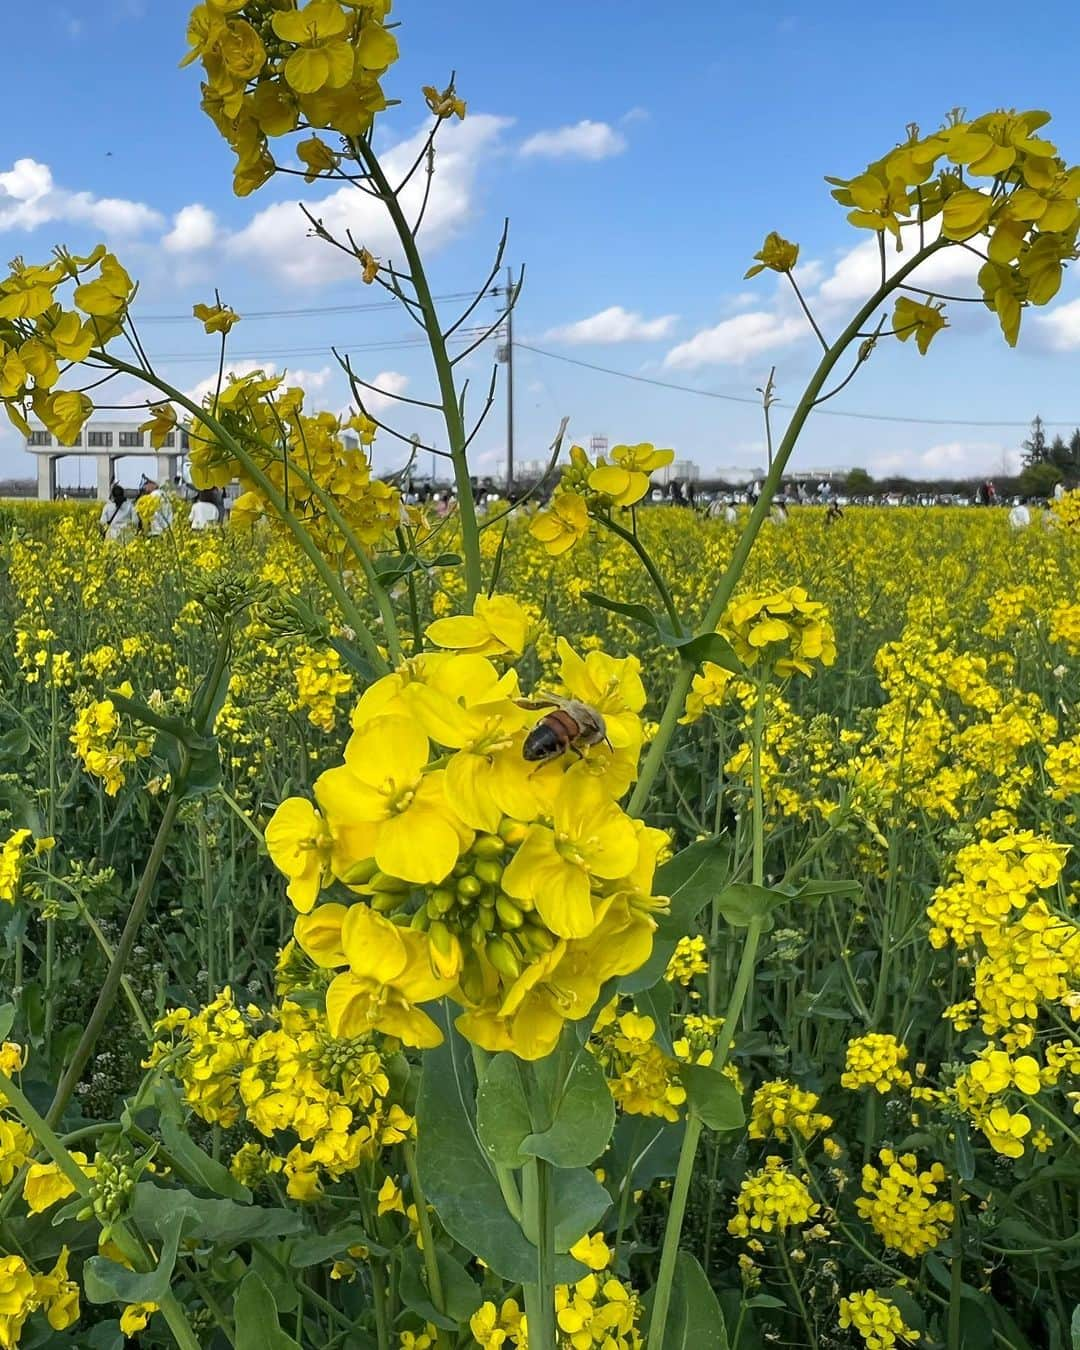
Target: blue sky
641, 154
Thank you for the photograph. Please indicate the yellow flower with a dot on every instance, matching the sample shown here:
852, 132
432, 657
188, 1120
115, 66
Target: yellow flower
135, 1317
564, 522
299, 846
498, 626
58, 1295
777, 253
383, 793
444, 103
390, 971
161, 425
589, 838
216, 318
317, 156
45, 1184
922, 320
1006, 1132
626, 480
877, 1320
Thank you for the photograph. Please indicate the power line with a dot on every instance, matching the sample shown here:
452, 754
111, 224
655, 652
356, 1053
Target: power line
819, 412
309, 313
348, 346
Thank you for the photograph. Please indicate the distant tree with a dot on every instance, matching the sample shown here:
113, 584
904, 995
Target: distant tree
1074, 451
1039, 480
858, 482
1059, 454
1035, 448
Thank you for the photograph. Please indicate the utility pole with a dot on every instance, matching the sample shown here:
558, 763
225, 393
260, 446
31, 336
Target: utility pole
506, 355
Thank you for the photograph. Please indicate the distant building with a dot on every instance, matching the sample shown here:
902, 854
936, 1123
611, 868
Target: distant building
678, 471
104, 442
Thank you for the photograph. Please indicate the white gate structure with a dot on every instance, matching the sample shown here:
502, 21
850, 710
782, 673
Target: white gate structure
105, 443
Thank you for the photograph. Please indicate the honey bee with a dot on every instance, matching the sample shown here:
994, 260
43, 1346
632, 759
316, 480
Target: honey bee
571, 725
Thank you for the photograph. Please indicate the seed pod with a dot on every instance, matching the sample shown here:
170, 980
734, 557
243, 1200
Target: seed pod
509, 915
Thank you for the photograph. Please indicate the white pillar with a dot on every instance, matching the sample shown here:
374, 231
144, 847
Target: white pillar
104, 476
167, 466
46, 478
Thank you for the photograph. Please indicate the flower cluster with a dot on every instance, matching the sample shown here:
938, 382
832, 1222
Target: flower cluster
331, 1092
780, 1109
320, 684
876, 1318
772, 1199
643, 1080
784, 628
900, 1202
271, 69
586, 488
101, 745
1027, 207
875, 1060
689, 959
516, 887
23, 1293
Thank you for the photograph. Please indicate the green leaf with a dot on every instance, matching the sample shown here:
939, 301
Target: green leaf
963, 1153
1074, 1328
217, 1221
14, 744
584, 1119
579, 1201
690, 880
106, 1281
7, 1020
657, 1003
257, 1325
502, 1113
199, 1166
461, 1295
712, 1096
818, 889
694, 1320
648, 1146
455, 1172
742, 902
694, 651
640, 614
313, 1251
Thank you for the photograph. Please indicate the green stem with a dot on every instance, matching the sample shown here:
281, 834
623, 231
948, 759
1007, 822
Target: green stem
125, 983
956, 1271
654, 572
539, 1227
427, 1237
726, 586
804, 1314
444, 370
111, 985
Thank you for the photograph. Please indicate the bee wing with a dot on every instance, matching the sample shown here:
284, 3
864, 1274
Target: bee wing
544, 701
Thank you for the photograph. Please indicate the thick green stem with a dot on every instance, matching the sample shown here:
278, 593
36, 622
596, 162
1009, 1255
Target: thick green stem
444, 370
111, 985
673, 1231
654, 572
956, 1270
726, 587
539, 1225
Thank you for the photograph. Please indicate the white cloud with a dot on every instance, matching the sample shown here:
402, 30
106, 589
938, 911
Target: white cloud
614, 325
29, 197
194, 228
736, 340
857, 273
583, 140
1061, 327
387, 383
276, 238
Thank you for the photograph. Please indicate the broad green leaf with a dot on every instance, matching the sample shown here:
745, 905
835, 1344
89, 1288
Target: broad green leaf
694, 1320
217, 1221
646, 1147
580, 1202
690, 880
461, 1295
741, 902
7, 1020
14, 744
657, 1003
584, 1119
455, 1172
199, 1166
1074, 1328
709, 647
106, 1281
314, 1251
712, 1096
256, 1314
502, 1114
